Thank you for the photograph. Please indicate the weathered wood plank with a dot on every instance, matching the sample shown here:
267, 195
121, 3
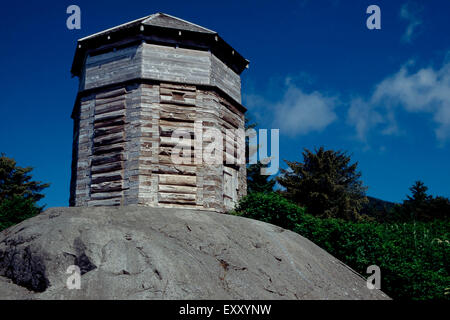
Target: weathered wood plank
177, 180
109, 139
172, 107
110, 122
111, 94
184, 160
169, 142
107, 131
177, 86
113, 148
107, 195
180, 198
107, 159
110, 107
109, 186
171, 123
176, 189
175, 169
101, 102
105, 202
109, 115
108, 167
101, 178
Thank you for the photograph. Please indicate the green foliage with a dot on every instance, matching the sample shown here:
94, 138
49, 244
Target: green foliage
326, 183
271, 208
419, 193
16, 209
16, 181
18, 193
256, 182
414, 257
377, 210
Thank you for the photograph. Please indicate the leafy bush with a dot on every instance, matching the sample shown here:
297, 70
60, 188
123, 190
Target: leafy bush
414, 258
271, 208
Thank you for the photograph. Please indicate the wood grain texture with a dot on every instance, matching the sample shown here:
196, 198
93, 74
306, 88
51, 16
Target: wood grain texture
123, 146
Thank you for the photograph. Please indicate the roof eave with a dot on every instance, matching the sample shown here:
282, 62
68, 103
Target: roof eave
134, 28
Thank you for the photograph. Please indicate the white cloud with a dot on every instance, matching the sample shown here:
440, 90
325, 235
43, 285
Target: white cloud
300, 113
363, 117
410, 12
427, 90
415, 91
423, 90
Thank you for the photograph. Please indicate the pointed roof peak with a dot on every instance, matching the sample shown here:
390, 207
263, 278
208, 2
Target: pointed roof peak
158, 19
165, 20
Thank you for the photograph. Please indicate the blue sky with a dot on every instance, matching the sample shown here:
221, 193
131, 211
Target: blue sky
316, 73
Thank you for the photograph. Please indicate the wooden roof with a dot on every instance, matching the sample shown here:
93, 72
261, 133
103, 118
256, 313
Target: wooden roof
159, 28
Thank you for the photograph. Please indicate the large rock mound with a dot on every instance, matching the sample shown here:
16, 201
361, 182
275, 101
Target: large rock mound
151, 253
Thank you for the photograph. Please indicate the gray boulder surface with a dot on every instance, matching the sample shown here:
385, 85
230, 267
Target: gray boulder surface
136, 252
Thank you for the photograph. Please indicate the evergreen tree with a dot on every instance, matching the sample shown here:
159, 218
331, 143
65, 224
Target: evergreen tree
421, 206
19, 194
417, 204
419, 193
256, 182
326, 183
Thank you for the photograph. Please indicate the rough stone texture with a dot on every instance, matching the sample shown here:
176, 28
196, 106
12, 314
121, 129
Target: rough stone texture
10, 291
136, 252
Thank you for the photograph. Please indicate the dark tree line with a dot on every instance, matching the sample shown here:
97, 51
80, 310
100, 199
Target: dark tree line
327, 184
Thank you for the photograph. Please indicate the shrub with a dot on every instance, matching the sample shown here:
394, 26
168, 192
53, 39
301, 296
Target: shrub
414, 258
270, 207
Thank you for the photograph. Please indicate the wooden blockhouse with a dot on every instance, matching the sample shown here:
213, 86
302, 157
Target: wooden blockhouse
138, 82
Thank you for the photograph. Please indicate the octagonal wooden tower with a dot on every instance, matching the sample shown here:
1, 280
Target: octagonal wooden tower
138, 83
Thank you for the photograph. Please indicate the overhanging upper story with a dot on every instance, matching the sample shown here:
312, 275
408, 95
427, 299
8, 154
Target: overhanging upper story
159, 47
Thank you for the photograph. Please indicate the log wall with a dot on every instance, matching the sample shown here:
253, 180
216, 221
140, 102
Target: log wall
130, 102
123, 143
158, 62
